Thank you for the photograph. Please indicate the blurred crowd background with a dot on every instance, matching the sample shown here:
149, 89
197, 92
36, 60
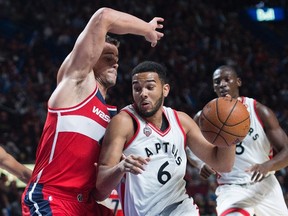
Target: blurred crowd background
200, 35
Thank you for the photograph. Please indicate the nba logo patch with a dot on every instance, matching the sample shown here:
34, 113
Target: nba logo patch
147, 131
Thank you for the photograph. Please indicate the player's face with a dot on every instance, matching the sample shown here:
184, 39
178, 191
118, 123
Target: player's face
148, 93
106, 68
226, 82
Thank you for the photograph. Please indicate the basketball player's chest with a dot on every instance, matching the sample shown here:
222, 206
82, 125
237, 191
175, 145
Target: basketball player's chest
149, 142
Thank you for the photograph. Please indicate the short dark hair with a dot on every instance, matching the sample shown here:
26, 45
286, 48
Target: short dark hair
112, 40
151, 66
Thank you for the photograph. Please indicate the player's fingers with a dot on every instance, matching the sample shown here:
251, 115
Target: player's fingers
135, 164
141, 160
211, 170
157, 19
253, 177
257, 176
153, 44
261, 177
135, 170
159, 35
123, 157
159, 26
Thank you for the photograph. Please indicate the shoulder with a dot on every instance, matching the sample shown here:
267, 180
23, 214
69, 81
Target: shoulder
262, 110
197, 116
265, 114
121, 117
121, 125
186, 121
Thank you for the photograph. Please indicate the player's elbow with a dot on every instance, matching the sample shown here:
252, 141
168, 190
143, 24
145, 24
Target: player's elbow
100, 195
227, 167
101, 190
102, 16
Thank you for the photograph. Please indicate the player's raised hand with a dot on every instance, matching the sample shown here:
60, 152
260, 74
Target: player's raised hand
154, 35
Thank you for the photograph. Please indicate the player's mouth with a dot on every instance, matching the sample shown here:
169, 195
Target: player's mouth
113, 71
224, 92
145, 105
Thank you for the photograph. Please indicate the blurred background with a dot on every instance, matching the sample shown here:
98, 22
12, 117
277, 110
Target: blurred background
200, 35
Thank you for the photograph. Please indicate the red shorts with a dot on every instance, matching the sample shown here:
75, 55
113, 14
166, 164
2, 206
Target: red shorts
39, 201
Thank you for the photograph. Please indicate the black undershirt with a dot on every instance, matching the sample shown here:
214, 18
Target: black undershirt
164, 124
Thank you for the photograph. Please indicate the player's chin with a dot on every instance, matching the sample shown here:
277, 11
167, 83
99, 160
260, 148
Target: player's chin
224, 94
111, 82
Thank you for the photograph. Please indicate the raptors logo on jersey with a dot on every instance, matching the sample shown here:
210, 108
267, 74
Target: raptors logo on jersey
147, 131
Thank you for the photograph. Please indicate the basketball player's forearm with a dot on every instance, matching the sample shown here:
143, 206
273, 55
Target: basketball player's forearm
107, 180
225, 159
279, 161
193, 159
16, 169
121, 23
25, 175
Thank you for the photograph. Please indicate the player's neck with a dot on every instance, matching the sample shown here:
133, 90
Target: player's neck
162, 124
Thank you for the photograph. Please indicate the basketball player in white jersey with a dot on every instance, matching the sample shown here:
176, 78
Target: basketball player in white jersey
150, 139
251, 188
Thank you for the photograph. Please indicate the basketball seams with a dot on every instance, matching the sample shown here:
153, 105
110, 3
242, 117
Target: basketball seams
223, 123
213, 132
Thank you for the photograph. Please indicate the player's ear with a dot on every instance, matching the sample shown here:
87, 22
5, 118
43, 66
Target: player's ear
239, 82
166, 89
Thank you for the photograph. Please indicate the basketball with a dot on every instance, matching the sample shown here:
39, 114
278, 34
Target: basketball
224, 121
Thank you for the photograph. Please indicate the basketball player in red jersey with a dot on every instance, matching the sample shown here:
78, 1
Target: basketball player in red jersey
64, 177
251, 188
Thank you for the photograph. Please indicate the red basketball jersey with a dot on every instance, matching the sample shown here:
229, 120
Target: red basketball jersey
69, 145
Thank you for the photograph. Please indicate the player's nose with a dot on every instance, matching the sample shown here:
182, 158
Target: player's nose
223, 83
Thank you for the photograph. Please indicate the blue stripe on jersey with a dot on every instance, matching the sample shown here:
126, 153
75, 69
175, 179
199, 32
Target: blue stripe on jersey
36, 204
112, 112
100, 97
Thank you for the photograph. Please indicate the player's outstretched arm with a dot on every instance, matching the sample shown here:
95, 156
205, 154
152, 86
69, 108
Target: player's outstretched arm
90, 43
204, 170
221, 159
9, 163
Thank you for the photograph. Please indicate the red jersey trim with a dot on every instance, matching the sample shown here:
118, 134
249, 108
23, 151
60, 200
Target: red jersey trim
161, 133
136, 132
258, 117
180, 126
242, 211
68, 109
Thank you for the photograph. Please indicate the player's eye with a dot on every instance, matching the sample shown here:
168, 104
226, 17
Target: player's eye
137, 88
150, 87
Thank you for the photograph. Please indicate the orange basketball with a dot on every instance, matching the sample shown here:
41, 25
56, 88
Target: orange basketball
224, 121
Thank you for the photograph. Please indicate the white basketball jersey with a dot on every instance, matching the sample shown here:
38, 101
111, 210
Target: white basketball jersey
162, 183
255, 148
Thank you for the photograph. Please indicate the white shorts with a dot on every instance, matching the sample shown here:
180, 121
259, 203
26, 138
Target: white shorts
184, 208
263, 198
